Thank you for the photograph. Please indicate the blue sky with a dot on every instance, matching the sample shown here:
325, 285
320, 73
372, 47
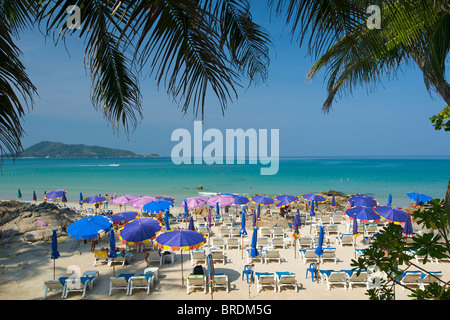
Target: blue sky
391, 121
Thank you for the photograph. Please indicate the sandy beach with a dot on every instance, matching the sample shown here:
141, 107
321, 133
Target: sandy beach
25, 267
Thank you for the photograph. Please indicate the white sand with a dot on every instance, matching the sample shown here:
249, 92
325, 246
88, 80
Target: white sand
27, 268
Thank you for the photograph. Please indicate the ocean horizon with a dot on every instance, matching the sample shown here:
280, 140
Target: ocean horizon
372, 175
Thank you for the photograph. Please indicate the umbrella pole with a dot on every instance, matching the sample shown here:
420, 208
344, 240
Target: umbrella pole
182, 278
53, 269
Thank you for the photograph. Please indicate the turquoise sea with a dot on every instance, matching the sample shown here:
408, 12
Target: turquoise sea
160, 176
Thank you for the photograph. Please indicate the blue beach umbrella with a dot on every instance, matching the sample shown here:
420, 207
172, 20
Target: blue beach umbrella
166, 198
112, 248
55, 254
355, 226
34, 196
319, 249
258, 213
390, 200
365, 214
140, 231
63, 198
419, 197
262, 199
123, 217
408, 228
311, 212
361, 200
254, 219
391, 214
286, 200
318, 198
243, 232
19, 194
253, 251
191, 224
240, 200
186, 211
94, 199
81, 198
333, 202
217, 211
166, 220
180, 240
157, 206
296, 224
55, 194
88, 227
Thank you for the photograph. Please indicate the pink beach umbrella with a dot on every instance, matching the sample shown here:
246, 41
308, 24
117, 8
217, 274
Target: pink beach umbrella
140, 202
123, 200
223, 200
195, 202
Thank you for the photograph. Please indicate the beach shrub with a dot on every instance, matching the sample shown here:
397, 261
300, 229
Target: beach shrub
392, 254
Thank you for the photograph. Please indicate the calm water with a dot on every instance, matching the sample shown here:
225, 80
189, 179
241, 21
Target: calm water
159, 176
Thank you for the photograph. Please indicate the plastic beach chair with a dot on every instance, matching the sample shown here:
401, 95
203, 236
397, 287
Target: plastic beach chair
54, 286
286, 279
196, 281
265, 280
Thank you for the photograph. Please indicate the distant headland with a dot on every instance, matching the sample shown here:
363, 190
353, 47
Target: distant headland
48, 149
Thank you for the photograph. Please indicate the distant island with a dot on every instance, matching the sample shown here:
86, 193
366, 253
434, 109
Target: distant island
47, 149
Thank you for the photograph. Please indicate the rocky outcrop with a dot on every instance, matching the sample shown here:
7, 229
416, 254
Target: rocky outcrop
31, 222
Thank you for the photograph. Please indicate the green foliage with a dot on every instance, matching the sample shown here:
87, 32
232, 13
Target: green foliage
390, 253
439, 122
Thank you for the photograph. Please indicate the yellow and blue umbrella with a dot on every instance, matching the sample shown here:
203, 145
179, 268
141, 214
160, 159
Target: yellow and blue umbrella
316, 197
34, 196
63, 198
365, 214
286, 200
391, 214
123, 217
55, 194
94, 199
139, 231
180, 240
262, 199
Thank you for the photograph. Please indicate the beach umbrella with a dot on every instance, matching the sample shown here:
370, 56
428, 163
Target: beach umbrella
254, 219
123, 217
34, 196
311, 212
157, 206
112, 249
191, 224
94, 199
195, 202
390, 200
123, 200
253, 251
140, 202
81, 199
180, 240
408, 228
296, 224
217, 211
242, 231
186, 209
19, 194
361, 200
355, 230
166, 198
139, 231
221, 199
391, 214
63, 198
55, 254
166, 220
319, 248
210, 273
365, 214
317, 198
258, 213
333, 202
55, 194
419, 197
240, 200
262, 199
286, 200
88, 227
